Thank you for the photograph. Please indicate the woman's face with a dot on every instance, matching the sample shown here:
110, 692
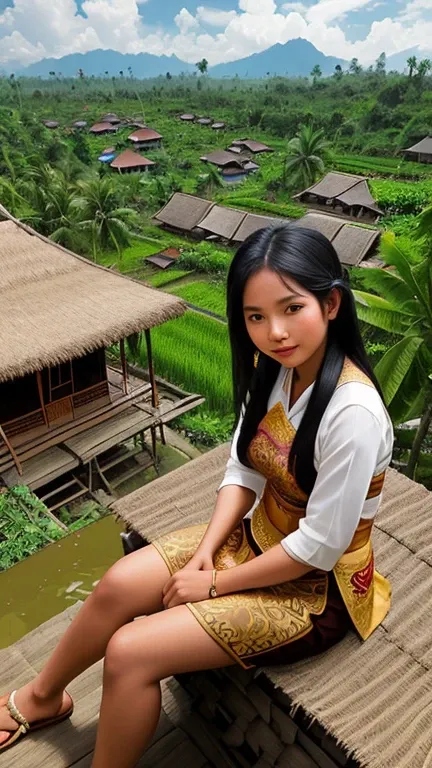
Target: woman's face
284, 320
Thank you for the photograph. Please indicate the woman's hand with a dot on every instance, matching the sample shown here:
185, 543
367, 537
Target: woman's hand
189, 585
201, 561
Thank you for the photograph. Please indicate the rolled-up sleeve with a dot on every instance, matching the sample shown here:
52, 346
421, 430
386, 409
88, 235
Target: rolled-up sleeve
348, 459
237, 473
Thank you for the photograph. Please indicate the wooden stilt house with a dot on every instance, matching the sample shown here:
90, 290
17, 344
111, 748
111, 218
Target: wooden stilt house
63, 405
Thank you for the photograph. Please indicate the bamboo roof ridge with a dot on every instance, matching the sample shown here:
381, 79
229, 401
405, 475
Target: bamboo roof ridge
57, 306
375, 697
130, 159
329, 226
183, 211
423, 147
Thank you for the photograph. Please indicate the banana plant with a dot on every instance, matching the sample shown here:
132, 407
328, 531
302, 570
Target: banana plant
402, 305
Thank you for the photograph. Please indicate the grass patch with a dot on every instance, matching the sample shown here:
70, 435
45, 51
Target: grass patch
132, 257
170, 276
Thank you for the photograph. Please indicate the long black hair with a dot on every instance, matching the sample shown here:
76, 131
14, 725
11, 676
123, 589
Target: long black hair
309, 258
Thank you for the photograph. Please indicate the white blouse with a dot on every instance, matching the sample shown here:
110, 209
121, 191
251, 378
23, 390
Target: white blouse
354, 442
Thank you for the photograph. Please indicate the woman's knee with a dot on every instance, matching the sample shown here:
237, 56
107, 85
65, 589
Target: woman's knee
111, 591
124, 654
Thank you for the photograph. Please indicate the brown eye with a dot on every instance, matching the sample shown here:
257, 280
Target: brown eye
293, 308
253, 317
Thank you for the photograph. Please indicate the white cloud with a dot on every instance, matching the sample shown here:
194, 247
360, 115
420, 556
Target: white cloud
33, 29
331, 10
297, 7
185, 21
214, 17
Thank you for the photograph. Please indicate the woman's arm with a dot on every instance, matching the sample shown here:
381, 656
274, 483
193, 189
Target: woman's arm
272, 567
233, 502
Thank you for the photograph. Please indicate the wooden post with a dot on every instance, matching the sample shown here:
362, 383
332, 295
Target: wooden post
41, 397
155, 395
124, 367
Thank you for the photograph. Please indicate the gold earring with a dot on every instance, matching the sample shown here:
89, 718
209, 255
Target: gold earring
256, 358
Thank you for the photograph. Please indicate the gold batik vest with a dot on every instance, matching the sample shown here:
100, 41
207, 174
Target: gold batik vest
365, 592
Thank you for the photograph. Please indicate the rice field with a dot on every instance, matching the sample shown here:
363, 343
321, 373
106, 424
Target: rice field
193, 352
210, 296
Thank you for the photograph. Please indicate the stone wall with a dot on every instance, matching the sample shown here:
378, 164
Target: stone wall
241, 722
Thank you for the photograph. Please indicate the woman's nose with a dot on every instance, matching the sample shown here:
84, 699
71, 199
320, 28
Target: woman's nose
277, 331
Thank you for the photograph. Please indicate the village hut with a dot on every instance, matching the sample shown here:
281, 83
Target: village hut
344, 193
353, 243
359, 705
218, 126
187, 118
182, 213
79, 125
131, 162
221, 221
420, 152
51, 124
99, 129
250, 146
204, 121
145, 138
62, 404
111, 118
165, 258
229, 163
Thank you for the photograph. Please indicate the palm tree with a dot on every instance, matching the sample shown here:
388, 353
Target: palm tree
412, 65
402, 305
98, 204
306, 157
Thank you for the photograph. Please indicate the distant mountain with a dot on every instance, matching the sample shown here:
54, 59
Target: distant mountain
398, 61
295, 58
99, 61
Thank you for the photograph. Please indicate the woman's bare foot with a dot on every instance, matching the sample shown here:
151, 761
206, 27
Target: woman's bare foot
33, 708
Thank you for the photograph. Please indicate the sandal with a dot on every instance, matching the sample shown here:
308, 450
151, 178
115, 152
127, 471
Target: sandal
24, 726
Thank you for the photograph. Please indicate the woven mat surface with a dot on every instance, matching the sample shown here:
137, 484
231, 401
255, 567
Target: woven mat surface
374, 697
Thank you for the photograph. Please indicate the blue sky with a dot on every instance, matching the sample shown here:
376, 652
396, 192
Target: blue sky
223, 30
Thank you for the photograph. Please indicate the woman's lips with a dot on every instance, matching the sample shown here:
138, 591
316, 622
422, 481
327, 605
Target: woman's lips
284, 351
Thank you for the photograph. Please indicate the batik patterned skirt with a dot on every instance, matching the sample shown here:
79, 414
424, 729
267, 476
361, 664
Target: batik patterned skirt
270, 625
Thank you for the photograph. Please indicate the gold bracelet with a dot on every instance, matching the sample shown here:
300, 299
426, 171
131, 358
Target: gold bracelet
212, 590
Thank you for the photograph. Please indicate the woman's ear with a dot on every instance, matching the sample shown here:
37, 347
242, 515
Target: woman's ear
333, 303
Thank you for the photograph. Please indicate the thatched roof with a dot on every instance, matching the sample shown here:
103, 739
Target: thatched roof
423, 147
359, 195
343, 188
79, 124
222, 221
251, 223
251, 145
327, 225
222, 158
111, 117
218, 126
144, 134
183, 211
56, 306
130, 159
204, 121
373, 697
352, 243
103, 128
187, 117
51, 124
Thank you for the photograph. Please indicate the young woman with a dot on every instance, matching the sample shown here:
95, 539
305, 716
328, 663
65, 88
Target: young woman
285, 566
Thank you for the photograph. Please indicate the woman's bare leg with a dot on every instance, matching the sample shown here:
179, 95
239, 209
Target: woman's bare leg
132, 587
138, 657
